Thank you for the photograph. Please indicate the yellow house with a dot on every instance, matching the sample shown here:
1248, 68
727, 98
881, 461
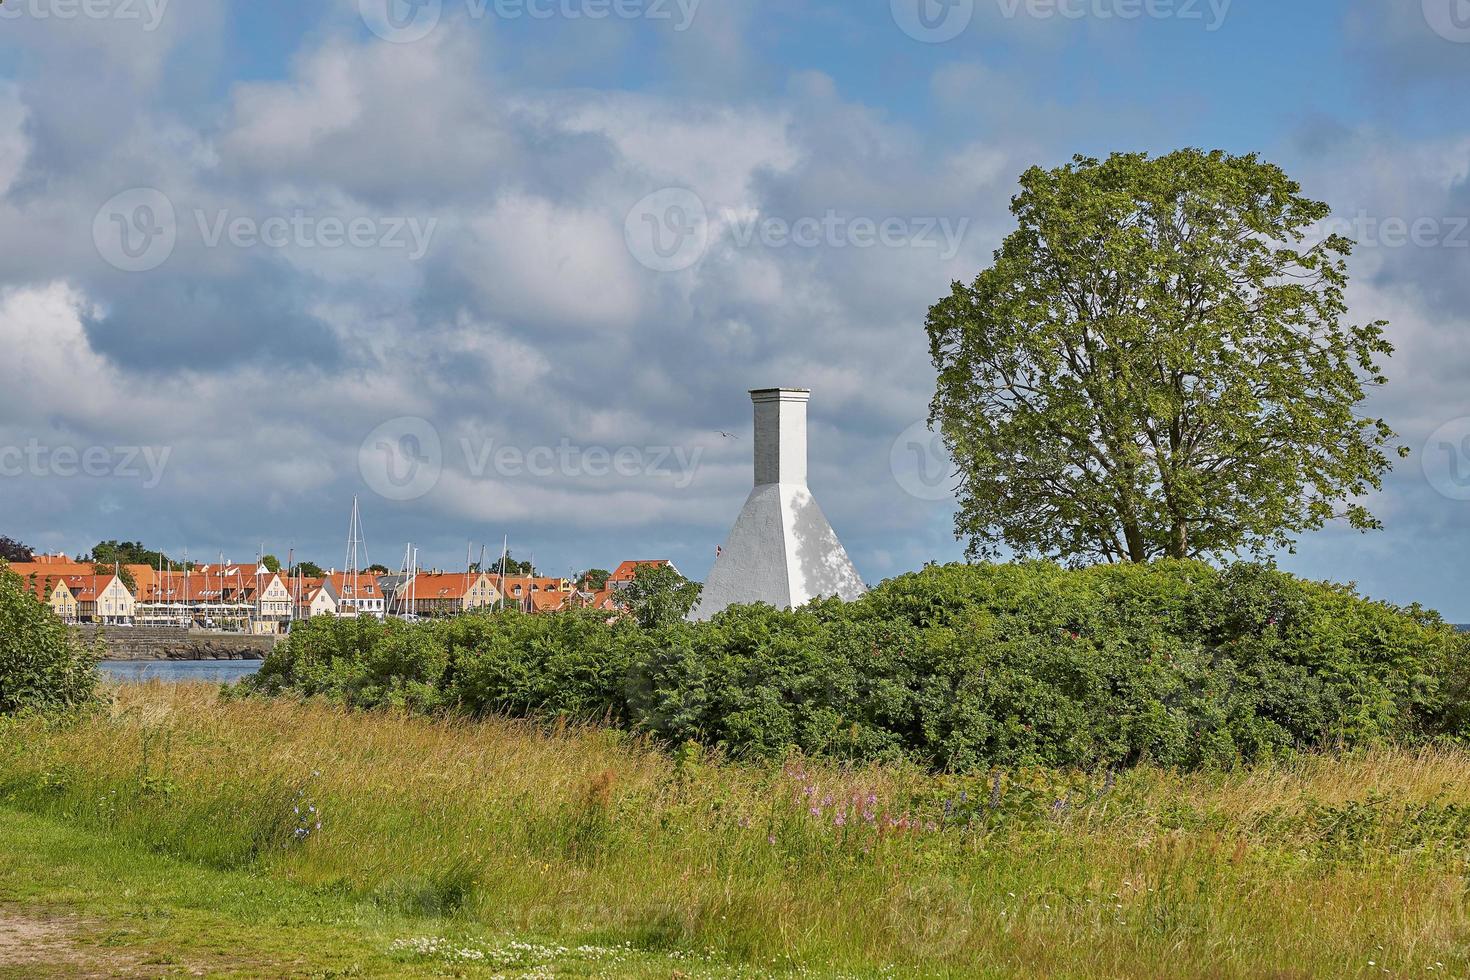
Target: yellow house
102, 599
62, 602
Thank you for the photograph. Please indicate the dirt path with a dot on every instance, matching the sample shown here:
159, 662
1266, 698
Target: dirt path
46, 945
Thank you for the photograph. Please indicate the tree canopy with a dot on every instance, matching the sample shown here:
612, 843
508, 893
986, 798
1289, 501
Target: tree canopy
659, 595
1158, 363
110, 553
13, 550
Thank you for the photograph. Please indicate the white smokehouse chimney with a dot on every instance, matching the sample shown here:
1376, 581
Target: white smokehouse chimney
780, 435
782, 551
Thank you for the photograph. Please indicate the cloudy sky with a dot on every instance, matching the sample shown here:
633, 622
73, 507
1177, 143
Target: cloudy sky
508, 267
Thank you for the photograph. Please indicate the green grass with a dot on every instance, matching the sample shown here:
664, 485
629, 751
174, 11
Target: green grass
120, 908
483, 834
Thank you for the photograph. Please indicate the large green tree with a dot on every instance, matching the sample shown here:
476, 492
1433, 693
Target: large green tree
659, 595
1158, 363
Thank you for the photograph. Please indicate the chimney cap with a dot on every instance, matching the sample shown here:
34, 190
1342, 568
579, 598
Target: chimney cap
780, 394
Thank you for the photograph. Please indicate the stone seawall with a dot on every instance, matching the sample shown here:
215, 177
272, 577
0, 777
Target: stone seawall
161, 643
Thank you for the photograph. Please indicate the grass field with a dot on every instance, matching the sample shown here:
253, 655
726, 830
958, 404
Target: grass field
195, 835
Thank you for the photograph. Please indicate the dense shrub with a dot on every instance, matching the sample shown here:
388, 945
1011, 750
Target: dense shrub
956, 667
44, 667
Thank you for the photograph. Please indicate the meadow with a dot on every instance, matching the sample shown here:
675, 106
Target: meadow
520, 848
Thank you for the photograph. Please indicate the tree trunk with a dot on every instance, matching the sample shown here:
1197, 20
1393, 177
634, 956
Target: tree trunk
1137, 550
1179, 541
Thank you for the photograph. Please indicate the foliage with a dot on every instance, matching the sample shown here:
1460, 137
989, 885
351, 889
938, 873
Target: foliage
658, 595
1156, 365
13, 550
111, 553
309, 569
43, 666
954, 668
271, 563
514, 567
596, 578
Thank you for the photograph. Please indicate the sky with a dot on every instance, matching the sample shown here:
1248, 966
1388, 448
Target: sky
507, 268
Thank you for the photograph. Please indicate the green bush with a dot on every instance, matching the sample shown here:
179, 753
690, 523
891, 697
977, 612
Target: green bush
957, 667
43, 666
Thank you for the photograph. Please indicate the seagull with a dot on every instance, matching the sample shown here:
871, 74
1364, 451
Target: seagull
729, 435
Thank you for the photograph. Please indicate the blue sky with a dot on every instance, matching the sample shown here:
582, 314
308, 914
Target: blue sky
496, 320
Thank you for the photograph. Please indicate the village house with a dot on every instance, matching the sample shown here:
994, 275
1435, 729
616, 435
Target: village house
444, 594
52, 590
102, 599
358, 595
312, 597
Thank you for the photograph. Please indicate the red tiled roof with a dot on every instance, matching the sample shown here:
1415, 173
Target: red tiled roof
628, 569
440, 585
367, 585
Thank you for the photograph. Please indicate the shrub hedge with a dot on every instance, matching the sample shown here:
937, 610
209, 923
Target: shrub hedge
44, 667
955, 667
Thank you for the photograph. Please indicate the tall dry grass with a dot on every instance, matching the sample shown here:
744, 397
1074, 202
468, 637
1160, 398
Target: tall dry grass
1325, 865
